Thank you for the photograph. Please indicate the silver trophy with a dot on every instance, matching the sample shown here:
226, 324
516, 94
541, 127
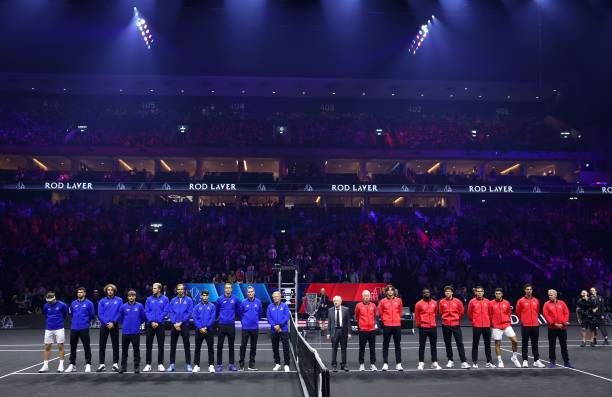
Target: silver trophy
312, 305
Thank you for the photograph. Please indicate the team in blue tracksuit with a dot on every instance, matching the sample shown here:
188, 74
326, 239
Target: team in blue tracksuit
156, 310
108, 314
180, 309
250, 313
278, 317
204, 315
82, 311
228, 307
131, 315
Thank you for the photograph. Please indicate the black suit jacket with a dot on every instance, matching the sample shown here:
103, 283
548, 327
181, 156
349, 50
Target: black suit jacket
346, 320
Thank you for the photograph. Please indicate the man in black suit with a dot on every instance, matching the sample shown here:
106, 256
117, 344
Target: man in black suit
338, 331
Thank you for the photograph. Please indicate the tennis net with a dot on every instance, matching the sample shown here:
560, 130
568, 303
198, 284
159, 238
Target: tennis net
313, 374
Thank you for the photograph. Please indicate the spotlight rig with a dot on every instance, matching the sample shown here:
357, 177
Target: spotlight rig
143, 28
418, 41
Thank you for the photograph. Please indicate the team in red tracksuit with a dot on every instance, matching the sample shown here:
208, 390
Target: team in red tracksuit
451, 310
390, 312
528, 310
425, 312
478, 313
557, 315
500, 313
365, 313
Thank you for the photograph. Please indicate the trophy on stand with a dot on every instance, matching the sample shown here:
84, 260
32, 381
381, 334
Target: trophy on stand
312, 305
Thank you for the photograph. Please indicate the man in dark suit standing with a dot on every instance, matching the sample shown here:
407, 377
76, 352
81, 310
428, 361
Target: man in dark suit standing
338, 331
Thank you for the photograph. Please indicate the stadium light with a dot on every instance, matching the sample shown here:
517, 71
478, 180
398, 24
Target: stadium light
165, 165
143, 28
420, 37
434, 168
40, 164
510, 169
125, 165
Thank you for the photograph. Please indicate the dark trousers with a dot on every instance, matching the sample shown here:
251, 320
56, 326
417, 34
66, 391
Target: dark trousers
184, 334
247, 334
532, 333
210, 342
432, 334
114, 335
338, 338
369, 338
83, 335
277, 338
228, 330
126, 339
396, 332
448, 332
160, 334
486, 336
561, 334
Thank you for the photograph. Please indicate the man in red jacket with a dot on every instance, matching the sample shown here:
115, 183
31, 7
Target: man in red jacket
500, 312
528, 310
390, 312
425, 312
451, 310
478, 312
557, 316
365, 313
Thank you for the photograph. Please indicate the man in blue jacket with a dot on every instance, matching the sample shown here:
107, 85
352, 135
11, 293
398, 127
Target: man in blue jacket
108, 314
204, 315
55, 312
156, 310
82, 311
131, 316
181, 307
278, 318
250, 313
228, 307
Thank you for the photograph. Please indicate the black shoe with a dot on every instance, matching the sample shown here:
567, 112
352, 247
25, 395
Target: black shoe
593, 344
583, 344
122, 370
240, 366
136, 370
334, 368
344, 368
252, 367
606, 342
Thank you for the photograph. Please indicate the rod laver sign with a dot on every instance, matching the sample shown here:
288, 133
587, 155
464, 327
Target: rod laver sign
305, 188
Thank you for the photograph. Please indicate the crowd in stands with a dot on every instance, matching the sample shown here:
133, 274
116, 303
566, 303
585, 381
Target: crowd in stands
154, 122
72, 243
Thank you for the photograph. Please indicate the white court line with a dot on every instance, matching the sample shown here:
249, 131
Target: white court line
449, 369
32, 366
571, 369
93, 373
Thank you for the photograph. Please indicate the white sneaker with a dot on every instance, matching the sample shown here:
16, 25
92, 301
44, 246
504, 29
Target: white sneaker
465, 365
525, 364
385, 367
60, 368
490, 365
435, 366
101, 368
516, 361
500, 364
373, 367
161, 368
44, 368
115, 367
196, 368
421, 366
362, 367
87, 367
399, 367
276, 367
539, 364
71, 368
211, 369
450, 364
475, 365
287, 369
147, 368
